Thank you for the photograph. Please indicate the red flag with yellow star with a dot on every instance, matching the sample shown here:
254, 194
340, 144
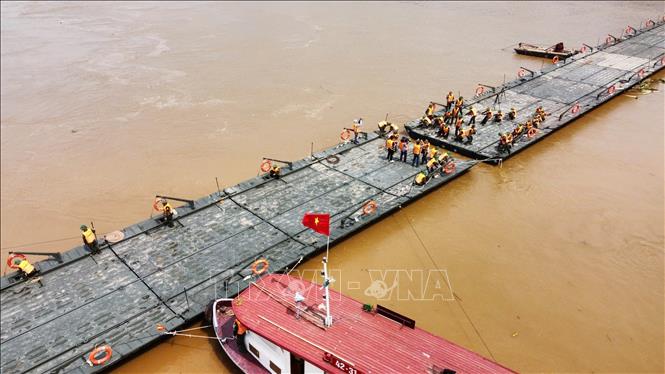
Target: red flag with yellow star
317, 222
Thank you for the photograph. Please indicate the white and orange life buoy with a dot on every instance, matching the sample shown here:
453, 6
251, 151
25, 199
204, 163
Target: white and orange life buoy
100, 355
629, 30
576, 108
11, 260
531, 133
370, 207
449, 168
521, 73
260, 266
609, 39
480, 90
555, 60
641, 73
345, 135
265, 165
611, 89
157, 205
650, 23
583, 49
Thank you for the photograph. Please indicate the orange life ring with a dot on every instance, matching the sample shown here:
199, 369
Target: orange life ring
92, 358
264, 266
650, 23
345, 135
531, 133
370, 207
161, 327
611, 89
480, 90
641, 73
609, 39
555, 59
449, 168
265, 165
521, 73
12, 257
156, 205
576, 108
629, 30
583, 49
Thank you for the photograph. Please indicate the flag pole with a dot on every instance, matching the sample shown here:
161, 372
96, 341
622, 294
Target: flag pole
326, 284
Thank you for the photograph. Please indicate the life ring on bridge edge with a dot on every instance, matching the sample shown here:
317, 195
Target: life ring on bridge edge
12, 257
641, 73
449, 168
480, 90
611, 89
345, 135
156, 205
583, 49
650, 23
265, 165
609, 39
629, 30
93, 357
576, 108
369, 208
521, 73
555, 59
531, 133
260, 262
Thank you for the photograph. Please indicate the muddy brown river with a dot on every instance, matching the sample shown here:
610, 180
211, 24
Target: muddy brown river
552, 263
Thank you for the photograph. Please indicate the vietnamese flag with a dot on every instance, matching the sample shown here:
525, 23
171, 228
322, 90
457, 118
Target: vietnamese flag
317, 222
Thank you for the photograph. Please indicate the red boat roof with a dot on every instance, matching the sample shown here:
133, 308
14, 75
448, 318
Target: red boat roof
368, 342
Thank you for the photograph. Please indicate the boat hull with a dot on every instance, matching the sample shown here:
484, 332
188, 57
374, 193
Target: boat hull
544, 54
222, 323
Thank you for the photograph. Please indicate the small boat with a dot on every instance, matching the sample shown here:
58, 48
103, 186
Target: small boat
282, 324
555, 50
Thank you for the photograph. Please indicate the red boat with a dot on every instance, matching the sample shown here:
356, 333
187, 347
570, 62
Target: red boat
290, 327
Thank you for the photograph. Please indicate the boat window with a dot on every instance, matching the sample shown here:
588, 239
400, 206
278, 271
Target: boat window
254, 351
275, 368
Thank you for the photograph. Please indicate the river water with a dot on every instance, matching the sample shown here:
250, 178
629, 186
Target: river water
553, 262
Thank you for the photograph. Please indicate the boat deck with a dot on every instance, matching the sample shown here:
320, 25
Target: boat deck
167, 275
585, 79
368, 342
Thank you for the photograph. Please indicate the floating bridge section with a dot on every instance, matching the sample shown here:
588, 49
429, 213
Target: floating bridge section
167, 275
567, 90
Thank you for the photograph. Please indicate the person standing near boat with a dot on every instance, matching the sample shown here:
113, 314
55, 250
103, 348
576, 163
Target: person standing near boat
239, 331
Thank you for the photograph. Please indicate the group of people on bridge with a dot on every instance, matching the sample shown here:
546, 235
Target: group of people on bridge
530, 128
422, 153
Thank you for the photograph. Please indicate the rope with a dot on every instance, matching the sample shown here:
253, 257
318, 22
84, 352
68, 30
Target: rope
458, 303
35, 243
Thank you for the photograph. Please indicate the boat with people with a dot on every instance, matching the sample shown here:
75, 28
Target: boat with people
283, 324
556, 50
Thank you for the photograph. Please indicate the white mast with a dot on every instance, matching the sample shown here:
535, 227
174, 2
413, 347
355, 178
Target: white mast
326, 284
